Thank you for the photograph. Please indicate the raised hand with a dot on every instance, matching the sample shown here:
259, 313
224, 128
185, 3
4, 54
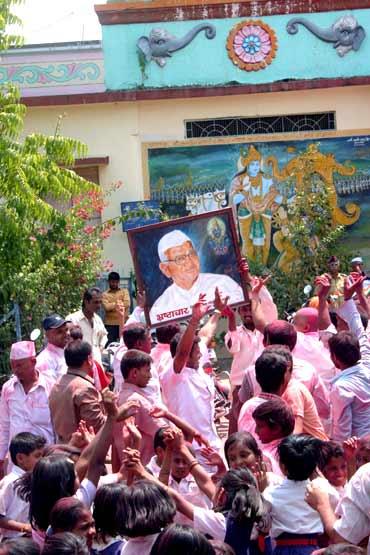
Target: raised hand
110, 403
128, 409
353, 285
350, 447
83, 436
158, 412
132, 462
212, 456
260, 473
244, 271
201, 440
134, 435
200, 308
220, 303
258, 284
323, 284
141, 299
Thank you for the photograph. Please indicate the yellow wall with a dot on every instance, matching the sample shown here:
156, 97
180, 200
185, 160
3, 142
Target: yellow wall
117, 130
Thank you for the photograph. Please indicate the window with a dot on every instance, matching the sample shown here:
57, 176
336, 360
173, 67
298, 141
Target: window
223, 127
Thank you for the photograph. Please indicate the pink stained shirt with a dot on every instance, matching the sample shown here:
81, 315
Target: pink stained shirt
302, 404
190, 395
304, 373
146, 424
51, 362
24, 412
246, 421
309, 348
245, 346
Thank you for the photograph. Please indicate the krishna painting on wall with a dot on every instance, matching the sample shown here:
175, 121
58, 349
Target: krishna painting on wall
259, 178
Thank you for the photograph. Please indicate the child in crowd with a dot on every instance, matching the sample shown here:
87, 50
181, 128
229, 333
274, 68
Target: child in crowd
274, 421
25, 450
65, 543
23, 546
108, 540
181, 540
295, 525
71, 515
333, 465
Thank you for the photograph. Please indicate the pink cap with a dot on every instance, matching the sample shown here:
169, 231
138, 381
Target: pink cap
22, 349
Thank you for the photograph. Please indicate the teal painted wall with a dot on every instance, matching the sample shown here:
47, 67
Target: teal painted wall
206, 62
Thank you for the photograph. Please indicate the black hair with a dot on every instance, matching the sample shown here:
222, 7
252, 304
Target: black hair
107, 510
271, 367
19, 546
75, 332
176, 340
247, 440
165, 334
221, 548
114, 276
89, 293
159, 439
300, 454
364, 320
132, 333
346, 347
25, 443
133, 359
65, 543
145, 509
280, 332
66, 513
54, 475
329, 449
181, 540
76, 353
244, 502
276, 412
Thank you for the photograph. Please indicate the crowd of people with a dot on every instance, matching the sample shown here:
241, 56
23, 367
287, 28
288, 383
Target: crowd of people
132, 462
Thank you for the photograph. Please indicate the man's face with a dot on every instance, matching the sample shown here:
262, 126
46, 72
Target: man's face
94, 305
245, 313
113, 284
183, 265
23, 368
180, 468
58, 336
145, 344
254, 168
143, 375
333, 267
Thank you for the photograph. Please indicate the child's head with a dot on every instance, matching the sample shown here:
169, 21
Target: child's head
273, 369
26, 450
242, 451
159, 445
145, 509
65, 543
298, 456
54, 475
333, 464
135, 367
180, 467
238, 494
71, 515
181, 540
274, 420
19, 546
107, 501
363, 451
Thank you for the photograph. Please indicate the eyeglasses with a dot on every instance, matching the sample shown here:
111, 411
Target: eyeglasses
181, 259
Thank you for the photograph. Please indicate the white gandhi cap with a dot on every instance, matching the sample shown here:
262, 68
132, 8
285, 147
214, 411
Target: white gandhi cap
174, 238
357, 260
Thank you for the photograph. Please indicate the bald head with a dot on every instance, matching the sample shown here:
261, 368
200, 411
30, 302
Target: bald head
306, 320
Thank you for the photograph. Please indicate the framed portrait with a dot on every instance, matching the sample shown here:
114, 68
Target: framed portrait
177, 260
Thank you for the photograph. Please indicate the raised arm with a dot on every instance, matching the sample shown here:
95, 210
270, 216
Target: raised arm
186, 342
207, 332
258, 315
322, 288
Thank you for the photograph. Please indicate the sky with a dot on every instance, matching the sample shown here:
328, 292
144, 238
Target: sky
50, 21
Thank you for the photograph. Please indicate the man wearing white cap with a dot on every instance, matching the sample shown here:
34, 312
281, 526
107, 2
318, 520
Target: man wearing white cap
179, 262
24, 405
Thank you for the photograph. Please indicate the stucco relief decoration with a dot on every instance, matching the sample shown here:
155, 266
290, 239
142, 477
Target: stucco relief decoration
160, 44
61, 73
346, 34
252, 45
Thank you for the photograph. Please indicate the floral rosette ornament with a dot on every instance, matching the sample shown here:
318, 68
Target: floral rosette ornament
252, 45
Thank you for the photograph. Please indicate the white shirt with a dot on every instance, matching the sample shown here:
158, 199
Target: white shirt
289, 510
176, 302
51, 362
21, 412
209, 522
310, 349
354, 525
96, 335
139, 546
11, 505
350, 392
245, 346
190, 395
